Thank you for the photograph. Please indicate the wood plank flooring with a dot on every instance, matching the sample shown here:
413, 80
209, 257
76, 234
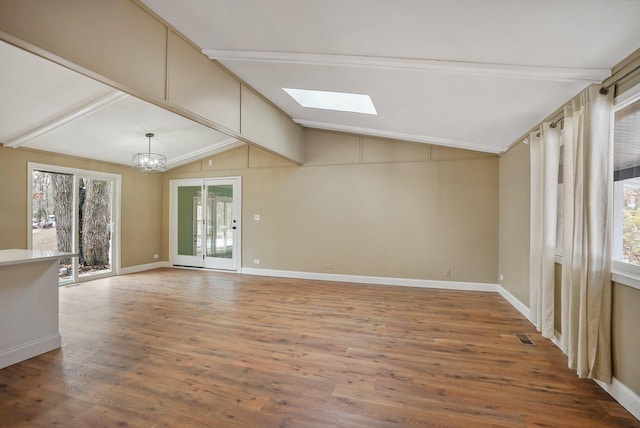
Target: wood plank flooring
186, 348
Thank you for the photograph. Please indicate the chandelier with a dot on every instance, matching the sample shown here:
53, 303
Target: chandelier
149, 162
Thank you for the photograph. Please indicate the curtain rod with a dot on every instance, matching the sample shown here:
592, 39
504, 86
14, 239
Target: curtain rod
552, 124
605, 89
556, 122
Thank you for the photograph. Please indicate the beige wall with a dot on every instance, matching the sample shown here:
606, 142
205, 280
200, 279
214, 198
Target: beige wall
141, 233
625, 336
557, 296
365, 206
514, 221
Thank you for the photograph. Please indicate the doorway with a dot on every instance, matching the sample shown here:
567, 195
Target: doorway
74, 210
204, 219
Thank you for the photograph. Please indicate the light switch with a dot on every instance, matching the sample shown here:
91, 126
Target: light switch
256, 217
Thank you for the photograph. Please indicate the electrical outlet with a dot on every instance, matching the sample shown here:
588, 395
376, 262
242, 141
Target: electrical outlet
156, 256
256, 261
256, 217
501, 277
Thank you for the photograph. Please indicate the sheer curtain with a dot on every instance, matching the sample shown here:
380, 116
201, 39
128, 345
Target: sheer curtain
544, 151
587, 224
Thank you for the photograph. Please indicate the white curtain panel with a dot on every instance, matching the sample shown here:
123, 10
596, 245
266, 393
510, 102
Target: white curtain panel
544, 151
587, 234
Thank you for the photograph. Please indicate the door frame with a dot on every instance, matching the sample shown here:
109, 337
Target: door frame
115, 212
204, 262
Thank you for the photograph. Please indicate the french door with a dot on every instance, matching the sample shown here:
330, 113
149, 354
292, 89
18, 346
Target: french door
76, 211
205, 223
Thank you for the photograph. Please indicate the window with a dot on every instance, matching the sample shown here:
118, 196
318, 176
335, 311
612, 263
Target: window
338, 101
626, 243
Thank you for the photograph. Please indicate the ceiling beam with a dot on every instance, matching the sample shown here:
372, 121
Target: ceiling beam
466, 145
531, 72
220, 147
67, 117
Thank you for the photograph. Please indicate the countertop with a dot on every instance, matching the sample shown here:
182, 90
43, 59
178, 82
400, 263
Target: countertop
19, 256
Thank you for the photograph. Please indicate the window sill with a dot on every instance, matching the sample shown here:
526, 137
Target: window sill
626, 274
621, 273
626, 279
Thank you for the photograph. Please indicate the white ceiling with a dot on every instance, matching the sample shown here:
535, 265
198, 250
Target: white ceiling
45, 106
460, 73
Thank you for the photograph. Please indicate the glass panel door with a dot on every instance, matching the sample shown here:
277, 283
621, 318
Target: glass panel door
205, 230
221, 225
73, 211
52, 217
187, 200
95, 214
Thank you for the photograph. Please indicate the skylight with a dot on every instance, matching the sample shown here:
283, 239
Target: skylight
339, 101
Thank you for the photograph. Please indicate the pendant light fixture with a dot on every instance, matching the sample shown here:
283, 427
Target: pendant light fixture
149, 162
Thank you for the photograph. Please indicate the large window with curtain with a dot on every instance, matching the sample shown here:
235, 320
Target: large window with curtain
571, 212
626, 237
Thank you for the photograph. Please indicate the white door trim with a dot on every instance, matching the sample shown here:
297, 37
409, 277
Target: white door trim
174, 258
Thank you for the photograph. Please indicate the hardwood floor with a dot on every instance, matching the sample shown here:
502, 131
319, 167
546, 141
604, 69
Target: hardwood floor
184, 348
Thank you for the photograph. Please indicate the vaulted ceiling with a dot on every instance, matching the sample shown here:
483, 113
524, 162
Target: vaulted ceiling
462, 73
459, 73
47, 107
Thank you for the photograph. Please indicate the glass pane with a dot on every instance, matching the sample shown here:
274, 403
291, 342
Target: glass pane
95, 226
190, 220
52, 217
631, 222
560, 203
220, 221
626, 160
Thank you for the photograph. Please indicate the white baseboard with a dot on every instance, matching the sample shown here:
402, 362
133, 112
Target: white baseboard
618, 390
520, 307
142, 268
360, 279
30, 350
623, 395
